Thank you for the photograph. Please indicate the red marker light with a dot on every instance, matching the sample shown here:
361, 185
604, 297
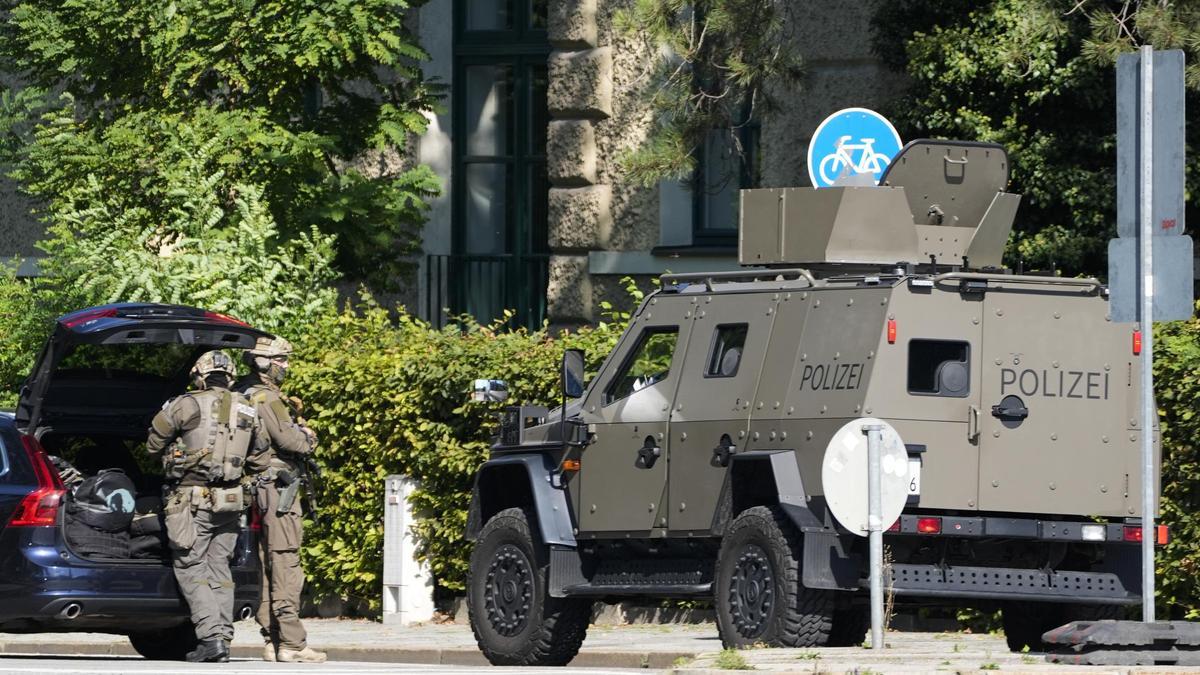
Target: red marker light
1162, 536
891, 331
895, 526
1137, 342
929, 525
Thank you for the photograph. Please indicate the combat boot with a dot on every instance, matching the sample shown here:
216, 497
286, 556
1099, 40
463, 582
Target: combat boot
306, 655
269, 651
209, 651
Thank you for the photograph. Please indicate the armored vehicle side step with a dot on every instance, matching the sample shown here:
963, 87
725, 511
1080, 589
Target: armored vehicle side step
1002, 583
1125, 643
663, 577
657, 590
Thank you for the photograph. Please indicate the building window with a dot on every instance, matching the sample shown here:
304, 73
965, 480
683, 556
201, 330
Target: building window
721, 171
500, 189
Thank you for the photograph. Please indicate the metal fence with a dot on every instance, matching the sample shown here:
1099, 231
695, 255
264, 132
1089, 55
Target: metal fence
483, 286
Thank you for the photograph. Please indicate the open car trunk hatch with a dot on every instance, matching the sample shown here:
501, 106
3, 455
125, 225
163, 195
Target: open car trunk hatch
110, 368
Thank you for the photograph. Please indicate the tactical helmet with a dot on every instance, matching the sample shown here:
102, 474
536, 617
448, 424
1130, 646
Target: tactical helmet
271, 347
262, 357
212, 362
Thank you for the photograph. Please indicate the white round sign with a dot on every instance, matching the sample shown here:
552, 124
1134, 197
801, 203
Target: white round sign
844, 475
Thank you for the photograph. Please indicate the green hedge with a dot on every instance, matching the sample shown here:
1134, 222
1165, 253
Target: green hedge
1177, 385
391, 395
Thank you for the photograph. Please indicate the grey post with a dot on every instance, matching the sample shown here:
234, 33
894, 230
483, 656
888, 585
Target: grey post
1147, 298
875, 531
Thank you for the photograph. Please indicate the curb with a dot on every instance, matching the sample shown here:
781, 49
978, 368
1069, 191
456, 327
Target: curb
449, 657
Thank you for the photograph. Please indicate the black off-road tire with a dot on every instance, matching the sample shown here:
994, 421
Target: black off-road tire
515, 621
759, 595
1025, 622
168, 644
850, 626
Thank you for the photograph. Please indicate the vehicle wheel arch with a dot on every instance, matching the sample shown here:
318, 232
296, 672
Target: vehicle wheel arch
772, 479
521, 481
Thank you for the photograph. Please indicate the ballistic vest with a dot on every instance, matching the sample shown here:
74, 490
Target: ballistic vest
215, 451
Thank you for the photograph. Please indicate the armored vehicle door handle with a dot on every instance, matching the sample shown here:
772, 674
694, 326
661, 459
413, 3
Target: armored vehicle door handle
648, 454
972, 424
1010, 409
724, 451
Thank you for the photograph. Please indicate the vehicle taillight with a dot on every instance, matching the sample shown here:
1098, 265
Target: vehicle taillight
891, 331
224, 318
929, 525
895, 526
1133, 533
85, 317
40, 507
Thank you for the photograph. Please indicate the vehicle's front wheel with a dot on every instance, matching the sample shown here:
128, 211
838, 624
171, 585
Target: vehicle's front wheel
759, 594
515, 621
168, 644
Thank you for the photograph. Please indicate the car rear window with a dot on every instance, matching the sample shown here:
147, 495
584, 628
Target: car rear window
14, 467
156, 360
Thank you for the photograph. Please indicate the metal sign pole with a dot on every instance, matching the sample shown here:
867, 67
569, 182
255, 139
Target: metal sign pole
875, 530
1147, 327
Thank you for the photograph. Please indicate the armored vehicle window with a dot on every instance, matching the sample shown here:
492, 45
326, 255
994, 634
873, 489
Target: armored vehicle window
939, 368
648, 363
726, 354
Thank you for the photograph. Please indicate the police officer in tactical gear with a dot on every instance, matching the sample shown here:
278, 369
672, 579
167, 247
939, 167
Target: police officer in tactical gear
282, 524
209, 439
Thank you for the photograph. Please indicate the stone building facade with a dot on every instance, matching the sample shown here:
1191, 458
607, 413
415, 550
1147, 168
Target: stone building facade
600, 226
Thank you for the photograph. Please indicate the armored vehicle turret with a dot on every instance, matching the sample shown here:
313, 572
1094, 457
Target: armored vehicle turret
690, 465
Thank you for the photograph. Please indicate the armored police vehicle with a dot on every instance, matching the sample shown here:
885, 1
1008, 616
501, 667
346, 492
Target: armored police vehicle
690, 466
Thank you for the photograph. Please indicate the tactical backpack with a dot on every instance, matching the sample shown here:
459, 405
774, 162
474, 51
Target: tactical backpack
216, 449
103, 502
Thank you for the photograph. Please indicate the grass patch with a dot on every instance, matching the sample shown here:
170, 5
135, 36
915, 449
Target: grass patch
808, 656
731, 659
989, 666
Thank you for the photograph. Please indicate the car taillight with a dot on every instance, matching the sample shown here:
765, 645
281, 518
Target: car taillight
84, 317
1133, 533
224, 318
40, 507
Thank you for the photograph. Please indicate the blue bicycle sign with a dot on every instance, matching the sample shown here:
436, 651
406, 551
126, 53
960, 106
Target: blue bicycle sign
852, 146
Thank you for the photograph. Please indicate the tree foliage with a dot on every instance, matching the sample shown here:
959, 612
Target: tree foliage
312, 100
714, 63
1037, 77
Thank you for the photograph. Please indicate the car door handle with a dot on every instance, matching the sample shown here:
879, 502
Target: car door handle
648, 454
724, 451
1010, 410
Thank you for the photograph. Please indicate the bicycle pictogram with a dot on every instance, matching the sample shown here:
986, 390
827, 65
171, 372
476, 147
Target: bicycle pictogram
855, 145
869, 162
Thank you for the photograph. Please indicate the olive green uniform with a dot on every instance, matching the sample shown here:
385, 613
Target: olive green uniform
204, 498
282, 533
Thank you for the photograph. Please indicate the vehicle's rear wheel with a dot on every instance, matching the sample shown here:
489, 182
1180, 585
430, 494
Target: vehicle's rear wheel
850, 626
759, 594
168, 644
1025, 622
515, 621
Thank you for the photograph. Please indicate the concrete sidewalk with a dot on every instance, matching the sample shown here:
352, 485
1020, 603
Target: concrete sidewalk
643, 646
684, 649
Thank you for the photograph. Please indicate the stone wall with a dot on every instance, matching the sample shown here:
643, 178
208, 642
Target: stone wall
597, 94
